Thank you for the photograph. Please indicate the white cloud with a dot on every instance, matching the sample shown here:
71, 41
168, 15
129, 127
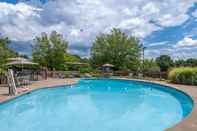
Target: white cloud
174, 12
194, 13
175, 53
186, 42
150, 8
163, 43
185, 48
20, 9
24, 21
184, 53
138, 27
19, 21
171, 20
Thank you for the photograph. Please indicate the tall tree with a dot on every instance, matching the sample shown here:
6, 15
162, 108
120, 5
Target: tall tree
180, 63
150, 66
191, 62
5, 51
164, 62
115, 48
49, 51
71, 58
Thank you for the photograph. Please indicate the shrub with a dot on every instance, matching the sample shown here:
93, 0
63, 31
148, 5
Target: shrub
84, 70
165, 62
150, 68
2, 71
183, 75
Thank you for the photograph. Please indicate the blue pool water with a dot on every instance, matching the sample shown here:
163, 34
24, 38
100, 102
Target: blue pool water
97, 105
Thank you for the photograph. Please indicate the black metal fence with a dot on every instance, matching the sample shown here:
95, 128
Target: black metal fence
35, 75
3, 79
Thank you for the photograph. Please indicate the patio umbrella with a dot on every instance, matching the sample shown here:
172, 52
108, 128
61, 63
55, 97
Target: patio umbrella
107, 65
18, 61
21, 63
76, 63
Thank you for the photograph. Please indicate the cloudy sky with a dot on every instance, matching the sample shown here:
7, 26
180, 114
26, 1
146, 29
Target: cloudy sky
164, 26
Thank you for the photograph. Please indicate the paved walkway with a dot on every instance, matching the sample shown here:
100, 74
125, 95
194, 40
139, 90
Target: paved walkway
35, 85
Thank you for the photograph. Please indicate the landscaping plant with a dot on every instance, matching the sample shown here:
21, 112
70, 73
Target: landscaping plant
183, 75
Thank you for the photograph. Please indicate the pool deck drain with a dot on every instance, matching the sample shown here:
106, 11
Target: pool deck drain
188, 124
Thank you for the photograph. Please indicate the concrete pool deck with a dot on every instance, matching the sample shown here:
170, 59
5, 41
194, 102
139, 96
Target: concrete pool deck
188, 124
36, 85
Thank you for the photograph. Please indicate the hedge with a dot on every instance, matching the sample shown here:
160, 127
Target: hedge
183, 75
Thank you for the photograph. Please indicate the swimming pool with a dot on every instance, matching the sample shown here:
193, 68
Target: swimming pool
97, 105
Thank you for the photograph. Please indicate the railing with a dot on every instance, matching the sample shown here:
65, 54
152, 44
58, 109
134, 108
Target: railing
44, 74
160, 75
3, 79
63, 74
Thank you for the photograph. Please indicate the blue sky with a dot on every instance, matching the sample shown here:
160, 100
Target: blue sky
164, 26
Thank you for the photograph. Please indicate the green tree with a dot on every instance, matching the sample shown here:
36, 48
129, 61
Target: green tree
71, 58
85, 60
180, 62
76, 58
116, 48
49, 51
150, 66
5, 52
164, 62
191, 62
